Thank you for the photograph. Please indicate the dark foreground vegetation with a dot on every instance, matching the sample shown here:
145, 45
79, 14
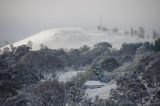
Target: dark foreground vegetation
135, 68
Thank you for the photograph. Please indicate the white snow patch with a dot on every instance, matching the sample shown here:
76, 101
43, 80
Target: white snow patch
94, 83
103, 92
47, 76
66, 76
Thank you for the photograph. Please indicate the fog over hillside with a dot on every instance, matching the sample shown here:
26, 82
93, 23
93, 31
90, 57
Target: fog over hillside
21, 18
75, 37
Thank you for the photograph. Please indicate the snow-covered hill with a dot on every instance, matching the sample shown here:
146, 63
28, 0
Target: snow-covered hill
76, 37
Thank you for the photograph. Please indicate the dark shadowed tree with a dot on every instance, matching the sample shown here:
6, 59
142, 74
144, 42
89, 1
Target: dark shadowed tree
109, 64
157, 45
104, 29
115, 30
99, 27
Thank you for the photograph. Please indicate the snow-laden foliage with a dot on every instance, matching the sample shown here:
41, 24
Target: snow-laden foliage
32, 78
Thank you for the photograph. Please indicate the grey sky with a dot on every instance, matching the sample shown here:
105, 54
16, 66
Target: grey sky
21, 18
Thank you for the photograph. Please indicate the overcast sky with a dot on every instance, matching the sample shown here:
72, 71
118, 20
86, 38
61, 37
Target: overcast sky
21, 18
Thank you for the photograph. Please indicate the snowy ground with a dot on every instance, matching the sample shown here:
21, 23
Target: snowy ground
103, 92
77, 37
66, 76
47, 76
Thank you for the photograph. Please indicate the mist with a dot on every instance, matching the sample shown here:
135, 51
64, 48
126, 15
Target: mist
20, 19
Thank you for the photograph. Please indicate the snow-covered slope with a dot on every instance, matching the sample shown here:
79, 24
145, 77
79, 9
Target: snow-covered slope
76, 37
103, 92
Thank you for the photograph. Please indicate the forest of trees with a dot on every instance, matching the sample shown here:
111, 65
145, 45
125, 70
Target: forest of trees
134, 67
